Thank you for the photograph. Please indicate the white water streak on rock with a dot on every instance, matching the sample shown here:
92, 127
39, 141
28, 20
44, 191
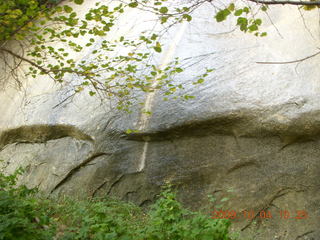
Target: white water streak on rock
145, 118
143, 157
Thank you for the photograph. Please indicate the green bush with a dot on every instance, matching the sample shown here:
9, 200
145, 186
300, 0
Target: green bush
21, 214
169, 220
24, 214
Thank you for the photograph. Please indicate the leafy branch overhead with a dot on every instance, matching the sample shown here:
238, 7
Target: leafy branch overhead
47, 34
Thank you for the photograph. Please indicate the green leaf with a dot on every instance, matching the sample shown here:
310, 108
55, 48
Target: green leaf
201, 80
187, 97
73, 15
78, 1
222, 15
187, 17
91, 93
231, 7
246, 10
164, 19
163, 10
243, 23
253, 27
133, 4
154, 37
238, 12
67, 9
157, 48
258, 21
179, 70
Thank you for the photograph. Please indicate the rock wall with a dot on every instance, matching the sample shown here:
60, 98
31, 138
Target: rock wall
252, 134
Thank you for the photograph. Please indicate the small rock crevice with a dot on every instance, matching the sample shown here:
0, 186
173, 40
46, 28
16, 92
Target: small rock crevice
304, 234
243, 164
104, 183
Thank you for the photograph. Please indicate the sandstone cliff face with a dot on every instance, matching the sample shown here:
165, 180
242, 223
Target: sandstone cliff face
252, 134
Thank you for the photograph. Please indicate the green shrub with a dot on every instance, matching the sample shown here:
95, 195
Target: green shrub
24, 214
21, 215
169, 220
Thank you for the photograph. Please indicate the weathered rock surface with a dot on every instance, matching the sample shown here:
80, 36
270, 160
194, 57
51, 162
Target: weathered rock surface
252, 134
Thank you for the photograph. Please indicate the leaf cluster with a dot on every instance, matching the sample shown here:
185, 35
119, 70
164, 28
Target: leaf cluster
245, 22
17, 16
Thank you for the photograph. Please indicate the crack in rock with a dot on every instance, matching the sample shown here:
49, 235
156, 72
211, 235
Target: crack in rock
115, 182
104, 183
280, 193
243, 164
304, 234
77, 168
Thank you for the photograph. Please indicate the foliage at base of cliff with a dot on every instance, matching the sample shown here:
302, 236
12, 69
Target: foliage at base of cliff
24, 214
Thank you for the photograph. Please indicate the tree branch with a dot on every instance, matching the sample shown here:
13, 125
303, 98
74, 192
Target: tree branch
54, 71
287, 2
294, 61
42, 69
24, 59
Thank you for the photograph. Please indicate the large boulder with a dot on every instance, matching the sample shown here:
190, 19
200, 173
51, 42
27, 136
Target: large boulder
250, 138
